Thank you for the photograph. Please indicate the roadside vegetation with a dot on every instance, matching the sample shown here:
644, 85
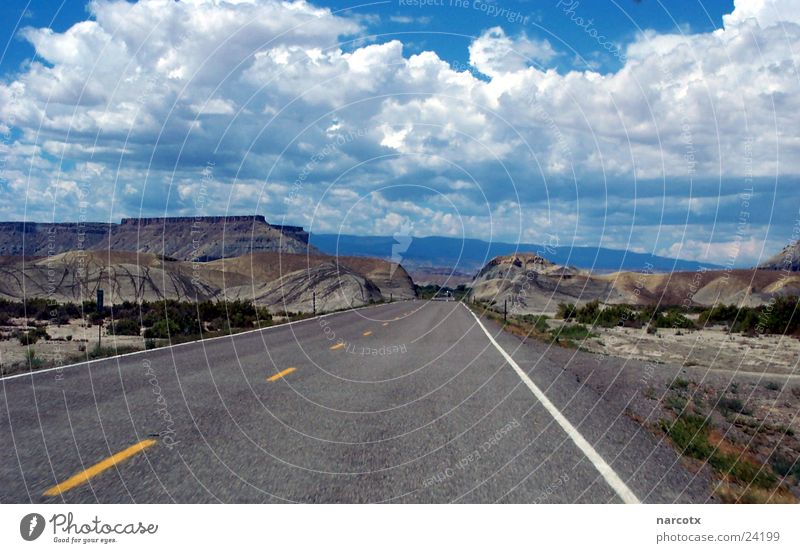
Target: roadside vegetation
596, 314
430, 291
753, 460
743, 434
156, 323
780, 316
538, 327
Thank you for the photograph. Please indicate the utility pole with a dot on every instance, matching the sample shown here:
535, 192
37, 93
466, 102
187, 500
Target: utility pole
314, 301
100, 317
505, 310
391, 297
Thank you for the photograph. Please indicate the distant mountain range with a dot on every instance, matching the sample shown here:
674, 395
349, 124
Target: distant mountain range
469, 255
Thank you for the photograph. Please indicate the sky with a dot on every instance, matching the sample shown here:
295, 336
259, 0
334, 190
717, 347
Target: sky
662, 127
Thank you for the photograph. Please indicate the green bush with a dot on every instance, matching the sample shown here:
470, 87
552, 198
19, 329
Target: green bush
573, 332
565, 311
690, 434
125, 327
679, 384
593, 313
673, 319
785, 466
163, 328
30, 337
728, 405
539, 322
779, 316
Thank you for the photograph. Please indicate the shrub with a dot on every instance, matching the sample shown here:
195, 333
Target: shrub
690, 435
679, 384
125, 327
785, 466
30, 337
573, 332
728, 405
539, 322
565, 311
31, 359
673, 319
163, 329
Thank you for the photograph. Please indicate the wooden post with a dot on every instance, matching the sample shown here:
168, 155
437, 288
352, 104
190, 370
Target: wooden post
505, 310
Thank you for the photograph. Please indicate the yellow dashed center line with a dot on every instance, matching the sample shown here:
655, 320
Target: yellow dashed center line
94, 470
367, 333
340, 345
281, 374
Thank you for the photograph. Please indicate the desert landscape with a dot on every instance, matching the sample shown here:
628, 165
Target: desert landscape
721, 345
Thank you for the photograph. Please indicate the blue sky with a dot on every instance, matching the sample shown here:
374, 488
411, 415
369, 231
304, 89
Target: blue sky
623, 124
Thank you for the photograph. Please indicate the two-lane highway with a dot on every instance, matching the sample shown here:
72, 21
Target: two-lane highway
411, 401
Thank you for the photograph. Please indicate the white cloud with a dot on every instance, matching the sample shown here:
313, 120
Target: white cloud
262, 87
494, 53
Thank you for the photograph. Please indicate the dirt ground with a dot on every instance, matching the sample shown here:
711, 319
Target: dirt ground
747, 390
68, 343
714, 349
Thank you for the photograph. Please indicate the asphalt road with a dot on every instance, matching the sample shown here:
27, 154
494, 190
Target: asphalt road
419, 405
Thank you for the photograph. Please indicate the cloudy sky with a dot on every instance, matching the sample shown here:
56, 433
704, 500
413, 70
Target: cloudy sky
664, 127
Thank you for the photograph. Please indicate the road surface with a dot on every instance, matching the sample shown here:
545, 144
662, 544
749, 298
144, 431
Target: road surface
406, 402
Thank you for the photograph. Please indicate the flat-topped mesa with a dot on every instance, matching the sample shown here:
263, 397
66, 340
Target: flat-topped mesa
215, 219
298, 233
292, 231
198, 238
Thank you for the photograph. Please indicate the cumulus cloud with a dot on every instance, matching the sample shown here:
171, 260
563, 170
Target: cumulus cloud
494, 53
288, 96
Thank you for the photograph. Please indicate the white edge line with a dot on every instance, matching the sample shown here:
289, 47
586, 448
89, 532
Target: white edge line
605, 470
229, 336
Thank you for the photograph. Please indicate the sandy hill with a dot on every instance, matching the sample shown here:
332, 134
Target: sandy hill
531, 284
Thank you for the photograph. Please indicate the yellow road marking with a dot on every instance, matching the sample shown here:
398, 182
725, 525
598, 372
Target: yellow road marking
385, 324
340, 345
94, 470
281, 374
367, 333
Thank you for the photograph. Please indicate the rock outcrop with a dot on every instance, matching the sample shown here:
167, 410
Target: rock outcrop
531, 284
528, 283
276, 280
788, 259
